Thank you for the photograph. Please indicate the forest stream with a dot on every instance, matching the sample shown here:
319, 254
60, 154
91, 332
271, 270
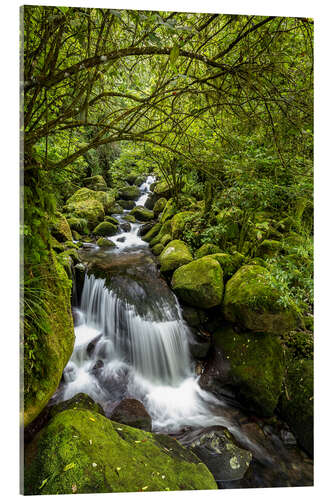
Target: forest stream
131, 341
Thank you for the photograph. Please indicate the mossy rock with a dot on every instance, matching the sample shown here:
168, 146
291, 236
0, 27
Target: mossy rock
142, 214
174, 255
140, 180
169, 210
126, 204
257, 261
165, 229
178, 222
81, 451
113, 220
252, 299
296, 405
157, 249
131, 178
105, 229
129, 193
107, 199
95, 182
162, 190
130, 218
90, 209
80, 401
61, 229
199, 283
152, 232
78, 224
269, 248
56, 245
207, 249
105, 243
229, 263
159, 206
117, 209
55, 348
255, 368
166, 239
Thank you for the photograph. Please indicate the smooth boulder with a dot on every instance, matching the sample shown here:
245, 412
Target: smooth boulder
174, 255
105, 229
252, 299
142, 214
199, 283
133, 413
81, 451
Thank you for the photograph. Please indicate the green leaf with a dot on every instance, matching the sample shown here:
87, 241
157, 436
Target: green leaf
69, 466
44, 483
174, 54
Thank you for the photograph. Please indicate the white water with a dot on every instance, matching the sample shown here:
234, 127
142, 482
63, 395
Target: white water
131, 341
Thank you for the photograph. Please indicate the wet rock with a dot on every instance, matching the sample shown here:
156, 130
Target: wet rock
199, 346
194, 316
145, 228
150, 202
142, 214
127, 204
97, 366
287, 437
132, 412
105, 243
105, 229
125, 226
129, 193
121, 239
152, 232
216, 447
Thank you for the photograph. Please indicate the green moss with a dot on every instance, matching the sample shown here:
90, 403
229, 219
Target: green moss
166, 239
159, 206
83, 450
299, 344
95, 182
169, 210
107, 199
256, 367
228, 218
90, 209
78, 224
269, 248
296, 404
229, 263
129, 218
152, 232
142, 214
199, 283
61, 230
105, 243
252, 299
207, 249
178, 223
162, 189
113, 220
105, 229
54, 349
129, 193
165, 229
175, 254
157, 249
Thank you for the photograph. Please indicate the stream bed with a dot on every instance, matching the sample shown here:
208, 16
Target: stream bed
131, 341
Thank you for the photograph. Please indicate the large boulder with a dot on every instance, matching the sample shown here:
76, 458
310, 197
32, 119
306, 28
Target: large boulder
152, 232
81, 451
162, 190
84, 205
207, 249
105, 229
199, 283
252, 299
132, 412
229, 263
107, 199
178, 222
105, 243
61, 229
53, 349
96, 183
249, 365
129, 193
296, 405
174, 255
159, 206
142, 214
217, 448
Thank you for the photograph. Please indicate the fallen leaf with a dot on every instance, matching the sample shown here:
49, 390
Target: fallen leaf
119, 428
118, 468
69, 466
92, 419
90, 441
137, 442
144, 487
94, 464
74, 488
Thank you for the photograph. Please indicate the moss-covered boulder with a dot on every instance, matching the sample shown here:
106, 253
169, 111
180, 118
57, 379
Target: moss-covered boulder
229, 263
78, 224
162, 190
129, 193
269, 248
131, 178
296, 405
126, 204
96, 182
113, 220
61, 229
54, 348
165, 229
105, 229
152, 232
84, 205
107, 199
81, 451
178, 222
253, 368
199, 283
142, 214
157, 249
174, 255
207, 249
252, 299
165, 239
159, 206
105, 243
169, 210
129, 218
